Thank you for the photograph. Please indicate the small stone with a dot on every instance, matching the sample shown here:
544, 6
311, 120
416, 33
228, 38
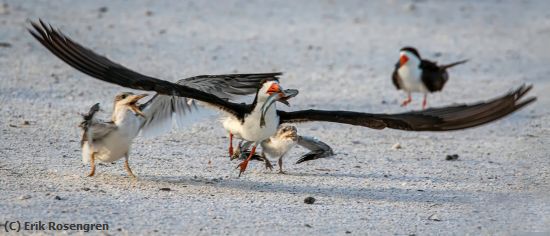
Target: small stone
5, 45
165, 189
437, 54
309, 200
57, 198
396, 146
434, 217
410, 7
24, 197
148, 13
348, 232
86, 189
103, 9
308, 225
453, 157
26, 122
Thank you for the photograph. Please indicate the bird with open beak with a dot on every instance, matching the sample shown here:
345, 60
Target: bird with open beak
110, 141
259, 120
244, 119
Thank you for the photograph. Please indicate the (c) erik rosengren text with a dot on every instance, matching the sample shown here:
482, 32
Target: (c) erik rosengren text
52, 226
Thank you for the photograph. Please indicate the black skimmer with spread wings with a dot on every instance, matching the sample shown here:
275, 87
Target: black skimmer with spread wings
414, 74
435, 119
241, 117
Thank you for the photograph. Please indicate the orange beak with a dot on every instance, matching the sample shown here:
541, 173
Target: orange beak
402, 60
274, 88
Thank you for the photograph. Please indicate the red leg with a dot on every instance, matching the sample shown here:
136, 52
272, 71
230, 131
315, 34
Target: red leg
407, 101
425, 101
230, 145
244, 164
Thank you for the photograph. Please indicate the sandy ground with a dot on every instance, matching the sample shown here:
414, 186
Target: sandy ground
340, 55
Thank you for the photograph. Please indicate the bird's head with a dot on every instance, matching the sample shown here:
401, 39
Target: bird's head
409, 56
272, 90
287, 132
129, 101
269, 88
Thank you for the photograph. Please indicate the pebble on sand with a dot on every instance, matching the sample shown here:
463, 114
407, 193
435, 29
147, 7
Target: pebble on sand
453, 157
396, 146
309, 200
434, 217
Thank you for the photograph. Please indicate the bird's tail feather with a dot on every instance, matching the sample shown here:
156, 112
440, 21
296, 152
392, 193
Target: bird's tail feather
454, 64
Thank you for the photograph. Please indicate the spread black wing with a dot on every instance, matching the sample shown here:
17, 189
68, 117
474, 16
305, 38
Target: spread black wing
434, 119
229, 86
100, 67
161, 110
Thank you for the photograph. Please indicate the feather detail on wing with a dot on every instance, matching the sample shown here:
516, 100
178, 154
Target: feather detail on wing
434, 119
100, 67
318, 149
162, 111
93, 128
229, 86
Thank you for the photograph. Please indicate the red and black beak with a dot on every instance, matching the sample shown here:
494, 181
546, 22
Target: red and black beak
403, 59
275, 88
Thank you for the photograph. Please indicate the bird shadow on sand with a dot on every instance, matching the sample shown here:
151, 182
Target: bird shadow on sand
392, 194
389, 177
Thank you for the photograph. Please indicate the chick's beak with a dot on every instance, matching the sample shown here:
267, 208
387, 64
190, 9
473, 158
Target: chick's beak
133, 104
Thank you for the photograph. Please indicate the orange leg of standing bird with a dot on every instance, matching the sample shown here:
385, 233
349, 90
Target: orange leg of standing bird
425, 102
230, 145
407, 101
244, 164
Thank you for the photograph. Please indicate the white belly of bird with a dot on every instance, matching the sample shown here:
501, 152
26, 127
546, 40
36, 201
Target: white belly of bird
277, 147
411, 80
251, 130
109, 149
116, 144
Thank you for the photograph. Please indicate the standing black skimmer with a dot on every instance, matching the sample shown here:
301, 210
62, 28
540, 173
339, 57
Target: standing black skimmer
435, 119
278, 145
110, 141
414, 74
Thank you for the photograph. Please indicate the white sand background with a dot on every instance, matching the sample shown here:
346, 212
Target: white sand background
340, 55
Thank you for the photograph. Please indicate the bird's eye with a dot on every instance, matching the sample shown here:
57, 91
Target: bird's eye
124, 96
